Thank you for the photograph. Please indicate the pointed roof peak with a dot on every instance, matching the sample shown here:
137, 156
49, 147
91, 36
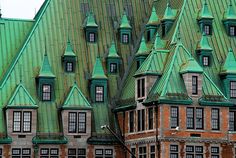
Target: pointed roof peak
229, 66
46, 70
191, 66
98, 72
230, 13
112, 51
205, 12
69, 51
21, 98
158, 43
203, 43
143, 50
76, 99
125, 21
153, 19
90, 20
169, 14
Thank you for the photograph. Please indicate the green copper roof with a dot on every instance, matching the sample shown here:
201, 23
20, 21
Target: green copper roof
229, 66
191, 66
230, 13
152, 65
113, 51
21, 99
205, 12
98, 72
46, 70
76, 99
69, 50
143, 50
158, 43
169, 13
204, 44
125, 22
90, 21
153, 20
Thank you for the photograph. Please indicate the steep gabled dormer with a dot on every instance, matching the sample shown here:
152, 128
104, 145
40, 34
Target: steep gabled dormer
45, 81
76, 114
152, 25
158, 43
113, 60
146, 75
204, 51
69, 58
91, 28
125, 30
192, 72
205, 20
98, 87
21, 113
168, 19
142, 53
228, 75
229, 20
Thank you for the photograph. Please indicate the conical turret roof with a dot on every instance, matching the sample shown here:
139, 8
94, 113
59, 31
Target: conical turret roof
98, 72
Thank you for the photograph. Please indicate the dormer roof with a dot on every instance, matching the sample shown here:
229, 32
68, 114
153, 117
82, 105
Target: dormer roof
46, 70
191, 66
143, 50
205, 13
153, 19
229, 66
98, 72
90, 21
125, 22
203, 43
69, 50
230, 13
169, 13
112, 51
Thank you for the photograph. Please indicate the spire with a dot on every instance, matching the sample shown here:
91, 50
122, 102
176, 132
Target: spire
153, 20
112, 51
91, 21
46, 70
230, 12
98, 72
205, 12
143, 50
69, 50
204, 44
191, 66
169, 15
125, 22
229, 66
158, 43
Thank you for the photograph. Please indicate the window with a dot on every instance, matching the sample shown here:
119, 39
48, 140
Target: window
73, 126
152, 151
194, 85
69, 67
207, 29
103, 153
46, 153
22, 121
194, 151
174, 117
141, 120
163, 30
215, 120
150, 118
233, 89
133, 150
142, 152
113, 67
99, 94
46, 92
232, 120
215, 153
174, 150
232, 30
148, 35
205, 60
195, 118
20, 153
131, 121
141, 87
80, 153
91, 37
125, 38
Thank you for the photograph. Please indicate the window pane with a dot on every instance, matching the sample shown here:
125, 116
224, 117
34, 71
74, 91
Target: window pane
72, 122
71, 151
232, 126
113, 68
26, 121
69, 67
54, 151
46, 92
174, 117
82, 122
150, 118
190, 118
44, 151
215, 119
99, 93
16, 151
194, 85
125, 38
205, 61
199, 118
16, 121
233, 89
131, 121
91, 37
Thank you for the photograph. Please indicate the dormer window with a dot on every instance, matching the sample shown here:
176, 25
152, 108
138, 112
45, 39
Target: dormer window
232, 30
194, 85
207, 29
99, 96
91, 28
22, 121
91, 37
46, 92
125, 38
205, 61
141, 88
233, 89
77, 122
125, 30
113, 67
69, 67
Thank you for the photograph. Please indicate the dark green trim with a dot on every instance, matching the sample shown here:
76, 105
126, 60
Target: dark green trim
124, 108
169, 101
102, 140
215, 103
76, 108
6, 140
22, 107
37, 140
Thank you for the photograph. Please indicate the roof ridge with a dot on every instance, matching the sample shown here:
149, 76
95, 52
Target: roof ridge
14, 62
